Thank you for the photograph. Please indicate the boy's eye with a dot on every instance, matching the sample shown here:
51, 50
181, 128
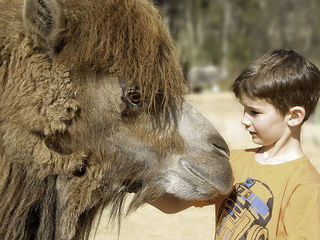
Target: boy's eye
253, 112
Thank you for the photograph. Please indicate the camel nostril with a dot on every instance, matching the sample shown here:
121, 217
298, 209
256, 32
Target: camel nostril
224, 151
222, 148
219, 145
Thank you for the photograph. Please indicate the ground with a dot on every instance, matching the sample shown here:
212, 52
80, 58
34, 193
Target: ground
147, 223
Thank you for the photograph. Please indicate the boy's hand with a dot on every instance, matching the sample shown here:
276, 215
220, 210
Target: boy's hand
199, 203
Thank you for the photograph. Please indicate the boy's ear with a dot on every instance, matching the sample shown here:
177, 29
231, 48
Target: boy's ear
296, 116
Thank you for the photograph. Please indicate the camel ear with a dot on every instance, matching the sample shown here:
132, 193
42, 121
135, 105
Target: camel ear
43, 20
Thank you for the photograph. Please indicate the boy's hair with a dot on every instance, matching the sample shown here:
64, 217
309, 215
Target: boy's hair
282, 77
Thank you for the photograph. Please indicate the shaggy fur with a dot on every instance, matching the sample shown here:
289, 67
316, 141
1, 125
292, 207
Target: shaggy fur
38, 101
87, 89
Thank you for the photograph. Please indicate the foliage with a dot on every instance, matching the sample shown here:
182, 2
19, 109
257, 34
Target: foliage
230, 34
201, 29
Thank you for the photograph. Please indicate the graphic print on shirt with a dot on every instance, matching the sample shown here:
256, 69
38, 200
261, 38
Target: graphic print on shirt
245, 213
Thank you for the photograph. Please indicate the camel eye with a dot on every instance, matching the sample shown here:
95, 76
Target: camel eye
134, 96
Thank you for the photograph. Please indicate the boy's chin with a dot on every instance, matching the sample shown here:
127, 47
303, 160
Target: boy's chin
257, 141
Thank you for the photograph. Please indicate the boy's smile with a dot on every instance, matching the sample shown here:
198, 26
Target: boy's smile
262, 120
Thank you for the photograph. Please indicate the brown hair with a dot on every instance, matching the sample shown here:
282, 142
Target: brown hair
131, 43
284, 78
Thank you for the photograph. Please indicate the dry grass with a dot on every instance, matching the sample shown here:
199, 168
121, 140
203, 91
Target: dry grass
147, 223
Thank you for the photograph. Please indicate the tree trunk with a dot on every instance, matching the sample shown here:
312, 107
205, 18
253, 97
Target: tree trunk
225, 39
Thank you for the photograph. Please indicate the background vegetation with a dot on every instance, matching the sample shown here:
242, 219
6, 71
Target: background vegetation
230, 34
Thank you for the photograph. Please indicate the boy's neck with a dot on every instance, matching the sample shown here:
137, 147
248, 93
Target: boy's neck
286, 149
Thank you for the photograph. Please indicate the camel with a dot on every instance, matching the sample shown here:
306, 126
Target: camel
91, 108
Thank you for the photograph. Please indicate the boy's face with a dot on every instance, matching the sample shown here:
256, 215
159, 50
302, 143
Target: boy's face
262, 120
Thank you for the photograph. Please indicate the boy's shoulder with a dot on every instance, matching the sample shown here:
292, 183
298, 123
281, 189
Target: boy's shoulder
306, 172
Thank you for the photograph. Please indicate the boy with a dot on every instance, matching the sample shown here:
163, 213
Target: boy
277, 190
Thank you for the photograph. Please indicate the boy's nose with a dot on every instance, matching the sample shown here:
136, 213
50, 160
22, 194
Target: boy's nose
245, 121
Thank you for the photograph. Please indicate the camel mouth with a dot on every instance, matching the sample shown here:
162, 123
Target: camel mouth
193, 172
207, 187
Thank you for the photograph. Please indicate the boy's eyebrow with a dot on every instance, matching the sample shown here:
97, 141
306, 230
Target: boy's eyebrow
254, 108
250, 107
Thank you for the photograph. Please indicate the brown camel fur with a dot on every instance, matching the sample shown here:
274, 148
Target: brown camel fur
91, 107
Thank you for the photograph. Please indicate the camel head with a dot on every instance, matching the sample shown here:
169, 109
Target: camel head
92, 107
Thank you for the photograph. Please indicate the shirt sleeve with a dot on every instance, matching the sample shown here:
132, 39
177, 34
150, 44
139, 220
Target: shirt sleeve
302, 215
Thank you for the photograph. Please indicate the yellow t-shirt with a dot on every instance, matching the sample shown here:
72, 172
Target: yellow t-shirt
270, 201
